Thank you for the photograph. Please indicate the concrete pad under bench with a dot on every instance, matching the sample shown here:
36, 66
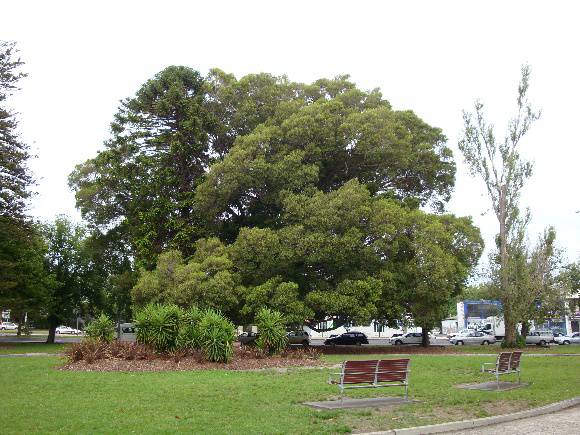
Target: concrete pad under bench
377, 402
492, 386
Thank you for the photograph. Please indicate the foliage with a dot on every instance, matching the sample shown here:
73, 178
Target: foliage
102, 328
272, 337
76, 286
216, 336
189, 333
354, 257
158, 325
220, 154
284, 297
207, 280
24, 283
504, 173
519, 343
15, 177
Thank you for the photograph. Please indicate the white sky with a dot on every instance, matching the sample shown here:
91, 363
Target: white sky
431, 57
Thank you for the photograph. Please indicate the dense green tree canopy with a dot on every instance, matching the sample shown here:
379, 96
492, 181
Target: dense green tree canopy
194, 156
207, 280
348, 255
77, 281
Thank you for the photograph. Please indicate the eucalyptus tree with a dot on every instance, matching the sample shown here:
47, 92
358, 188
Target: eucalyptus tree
504, 172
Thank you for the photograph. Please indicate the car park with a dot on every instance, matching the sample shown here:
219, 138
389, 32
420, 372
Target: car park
67, 330
573, 338
348, 338
8, 326
473, 337
541, 338
298, 337
408, 338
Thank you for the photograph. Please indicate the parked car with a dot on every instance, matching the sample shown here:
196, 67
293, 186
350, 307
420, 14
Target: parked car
8, 326
299, 337
127, 332
460, 332
352, 337
408, 338
67, 330
568, 339
541, 338
248, 338
473, 337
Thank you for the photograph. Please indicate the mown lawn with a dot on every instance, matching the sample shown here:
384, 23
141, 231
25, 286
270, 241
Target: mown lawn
6, 348
38, 398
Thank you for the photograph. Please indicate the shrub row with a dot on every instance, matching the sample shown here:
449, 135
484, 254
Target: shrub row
168, 328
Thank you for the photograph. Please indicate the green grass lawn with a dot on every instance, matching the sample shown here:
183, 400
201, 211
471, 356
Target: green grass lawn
6, 348
552, 349
38, 398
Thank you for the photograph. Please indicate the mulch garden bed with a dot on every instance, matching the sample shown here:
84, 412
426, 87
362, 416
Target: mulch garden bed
244, 359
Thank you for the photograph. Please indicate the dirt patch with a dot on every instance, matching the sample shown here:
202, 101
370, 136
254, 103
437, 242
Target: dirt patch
242, 360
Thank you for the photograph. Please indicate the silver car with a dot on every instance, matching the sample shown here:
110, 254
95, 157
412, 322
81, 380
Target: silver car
298, 337
408, 338
541, 338
568, 339
473, 337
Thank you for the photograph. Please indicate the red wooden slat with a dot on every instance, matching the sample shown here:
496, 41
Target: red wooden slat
516, 358
503, 361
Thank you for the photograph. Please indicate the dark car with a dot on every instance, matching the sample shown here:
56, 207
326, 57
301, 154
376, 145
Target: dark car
248, 338
352, 338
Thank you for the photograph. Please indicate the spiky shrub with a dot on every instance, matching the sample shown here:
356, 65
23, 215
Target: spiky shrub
272, 337
102, 328
188, 336
158, 326
216, 335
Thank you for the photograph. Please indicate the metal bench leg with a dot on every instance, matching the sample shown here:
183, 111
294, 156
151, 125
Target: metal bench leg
497, 379
519, 381
406, 392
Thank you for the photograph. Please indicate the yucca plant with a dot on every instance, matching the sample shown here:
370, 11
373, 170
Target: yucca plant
216, 335
158, 326
188, 337
272, 338
102, 328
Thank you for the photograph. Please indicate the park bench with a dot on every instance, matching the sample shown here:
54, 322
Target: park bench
373, 374
506, 363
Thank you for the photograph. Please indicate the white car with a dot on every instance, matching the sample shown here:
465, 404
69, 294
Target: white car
473, 337
8, 326
408, 338
66, 330
568, 339
461, 332
541, 338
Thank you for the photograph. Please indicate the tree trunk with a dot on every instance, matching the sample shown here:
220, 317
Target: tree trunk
424, 337
525, 328
510, 324
19, 330
52, 324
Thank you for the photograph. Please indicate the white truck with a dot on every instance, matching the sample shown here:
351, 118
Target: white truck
494, 326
